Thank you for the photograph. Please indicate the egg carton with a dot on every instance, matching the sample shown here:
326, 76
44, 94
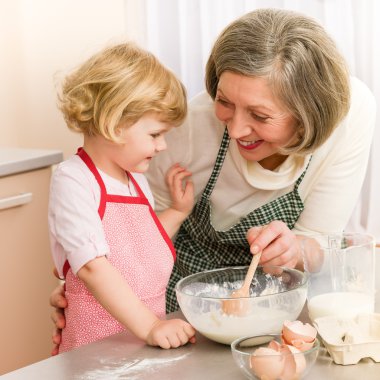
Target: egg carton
348, 340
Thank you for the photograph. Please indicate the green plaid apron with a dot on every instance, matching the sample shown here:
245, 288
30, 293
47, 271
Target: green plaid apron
200, 247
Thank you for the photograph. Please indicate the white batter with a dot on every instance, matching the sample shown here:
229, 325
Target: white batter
224, 328
266, 315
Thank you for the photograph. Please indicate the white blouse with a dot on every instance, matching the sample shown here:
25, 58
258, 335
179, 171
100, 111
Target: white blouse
329, 189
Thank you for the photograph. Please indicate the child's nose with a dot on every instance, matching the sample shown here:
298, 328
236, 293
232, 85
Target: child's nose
161, 144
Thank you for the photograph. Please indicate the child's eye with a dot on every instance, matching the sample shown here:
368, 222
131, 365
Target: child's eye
155, 135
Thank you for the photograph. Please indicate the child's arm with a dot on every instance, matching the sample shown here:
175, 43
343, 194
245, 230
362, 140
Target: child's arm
182, 194
112, 291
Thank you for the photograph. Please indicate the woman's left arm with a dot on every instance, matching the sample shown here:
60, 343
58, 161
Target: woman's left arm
331, 189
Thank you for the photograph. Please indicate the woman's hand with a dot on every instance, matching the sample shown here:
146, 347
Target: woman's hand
170, 333
181, 189
59, 302
279, 245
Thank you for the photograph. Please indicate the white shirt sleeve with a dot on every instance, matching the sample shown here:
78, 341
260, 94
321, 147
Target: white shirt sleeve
194, 145
337, 170
76, 231
329, 189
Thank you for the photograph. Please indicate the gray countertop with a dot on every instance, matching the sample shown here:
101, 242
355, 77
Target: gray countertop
18, 160
116, 358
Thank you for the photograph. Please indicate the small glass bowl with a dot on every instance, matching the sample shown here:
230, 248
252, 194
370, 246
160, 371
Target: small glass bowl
282, 366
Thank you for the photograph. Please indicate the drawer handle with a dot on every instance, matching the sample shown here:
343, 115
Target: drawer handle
15, 200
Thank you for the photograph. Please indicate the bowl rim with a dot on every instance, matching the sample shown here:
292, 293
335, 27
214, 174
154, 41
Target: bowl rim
305, 280
316, 345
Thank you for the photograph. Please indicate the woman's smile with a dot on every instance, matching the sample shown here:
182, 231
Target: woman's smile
249, 145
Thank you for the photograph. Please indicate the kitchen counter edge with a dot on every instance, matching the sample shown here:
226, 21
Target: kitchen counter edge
19, 160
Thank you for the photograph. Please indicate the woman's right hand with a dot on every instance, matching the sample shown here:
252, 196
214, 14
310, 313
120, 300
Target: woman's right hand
278, 244
59, 303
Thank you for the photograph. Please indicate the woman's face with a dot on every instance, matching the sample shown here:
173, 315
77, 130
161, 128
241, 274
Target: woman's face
258, 121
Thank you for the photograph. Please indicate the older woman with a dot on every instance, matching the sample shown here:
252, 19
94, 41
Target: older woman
278, 147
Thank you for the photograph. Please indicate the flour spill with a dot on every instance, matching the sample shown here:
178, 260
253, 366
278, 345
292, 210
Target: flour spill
129, 370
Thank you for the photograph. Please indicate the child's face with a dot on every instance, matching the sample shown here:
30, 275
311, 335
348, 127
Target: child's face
142, 141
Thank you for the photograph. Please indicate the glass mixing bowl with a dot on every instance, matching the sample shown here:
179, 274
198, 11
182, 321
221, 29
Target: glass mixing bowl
258, 365
276, 294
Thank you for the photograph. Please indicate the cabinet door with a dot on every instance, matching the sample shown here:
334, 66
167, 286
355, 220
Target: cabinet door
26, 278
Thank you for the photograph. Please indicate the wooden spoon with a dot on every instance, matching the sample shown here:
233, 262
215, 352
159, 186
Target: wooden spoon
240, 306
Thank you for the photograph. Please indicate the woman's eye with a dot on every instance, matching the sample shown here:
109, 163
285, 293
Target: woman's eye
259, 118
155, 135
222, 102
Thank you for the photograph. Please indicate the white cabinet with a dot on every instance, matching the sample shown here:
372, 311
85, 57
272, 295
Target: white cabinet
26, 278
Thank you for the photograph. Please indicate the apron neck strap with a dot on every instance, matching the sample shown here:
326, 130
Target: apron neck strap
218, 165
103, 192
299, 180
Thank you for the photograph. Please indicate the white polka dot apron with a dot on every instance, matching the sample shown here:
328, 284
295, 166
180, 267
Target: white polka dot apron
139, 248
200, 247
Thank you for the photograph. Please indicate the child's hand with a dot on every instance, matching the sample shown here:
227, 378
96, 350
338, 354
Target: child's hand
171, 333
181, 189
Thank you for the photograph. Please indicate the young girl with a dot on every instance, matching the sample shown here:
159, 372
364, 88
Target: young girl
107, 242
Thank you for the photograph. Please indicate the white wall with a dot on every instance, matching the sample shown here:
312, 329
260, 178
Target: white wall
39, 40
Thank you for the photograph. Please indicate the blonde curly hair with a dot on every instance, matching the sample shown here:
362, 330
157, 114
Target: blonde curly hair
120, 84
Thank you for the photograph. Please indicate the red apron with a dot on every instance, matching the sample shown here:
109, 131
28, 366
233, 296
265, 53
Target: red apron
139, 248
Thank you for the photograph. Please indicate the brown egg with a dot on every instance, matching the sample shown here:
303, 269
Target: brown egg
267, 363
299, 335
294, 362
284, 361
273, 344
300, 344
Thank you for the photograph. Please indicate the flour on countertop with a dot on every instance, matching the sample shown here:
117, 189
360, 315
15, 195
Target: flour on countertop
130, 370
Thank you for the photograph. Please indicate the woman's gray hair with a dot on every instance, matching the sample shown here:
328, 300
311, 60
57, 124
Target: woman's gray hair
301, 62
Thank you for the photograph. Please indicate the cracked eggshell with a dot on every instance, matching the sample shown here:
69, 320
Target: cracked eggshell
300, 344
295, 362
298, 334
267, 363
274, 345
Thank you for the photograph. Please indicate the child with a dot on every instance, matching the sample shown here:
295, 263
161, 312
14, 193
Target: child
107, 242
